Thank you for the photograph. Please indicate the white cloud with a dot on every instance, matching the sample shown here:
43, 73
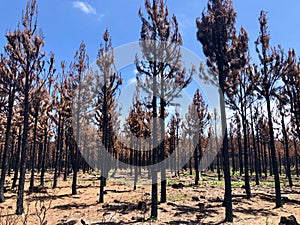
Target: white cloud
100, 17
132, 81
84, 7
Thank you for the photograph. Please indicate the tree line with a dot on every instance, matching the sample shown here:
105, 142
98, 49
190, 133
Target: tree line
40, 102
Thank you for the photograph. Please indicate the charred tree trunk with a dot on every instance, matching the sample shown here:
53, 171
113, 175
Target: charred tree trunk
256, 159
7, 142
218, 166
265, 159
61, 143
273, 154
135, 164
246, 161
20, 196
40, 157
67, 157
17, 163
260, 154
155, 149
287, 153
196, 161
280, 163
296, 158
45, 145
232, 154
163, 196
33, 153
240, 153
57, 151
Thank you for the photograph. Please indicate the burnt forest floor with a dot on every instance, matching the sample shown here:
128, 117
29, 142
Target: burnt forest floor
186, 202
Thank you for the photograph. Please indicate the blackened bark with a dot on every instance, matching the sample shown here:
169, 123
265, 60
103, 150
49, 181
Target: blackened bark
246, 161
280, 163
20, 196
265, 159
273, 154
287, 153
57, 150
260, 154
163, 196
232, 154
17, 163
67, 157
296, 158
33, 156
240, 153
270, 159
44, 156
135, 164
196, 163
75, 169
218, 166
228, 196
40, 157
7, 142
61, 143
155, 149
256, 159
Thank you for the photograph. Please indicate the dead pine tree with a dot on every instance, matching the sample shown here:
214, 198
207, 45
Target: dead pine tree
217, 34
38, 103
108, 80
46, 124
240, 92
38, 97
58, 118
164, 78
80, 83
197, 120
292, 85
25, 46
172, 125
173, 140
265, 79
9, 73
283, 101
139, 126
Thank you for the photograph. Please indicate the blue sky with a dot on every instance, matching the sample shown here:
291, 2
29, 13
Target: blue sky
66, 23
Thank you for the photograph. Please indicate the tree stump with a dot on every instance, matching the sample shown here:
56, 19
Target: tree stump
290, 220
